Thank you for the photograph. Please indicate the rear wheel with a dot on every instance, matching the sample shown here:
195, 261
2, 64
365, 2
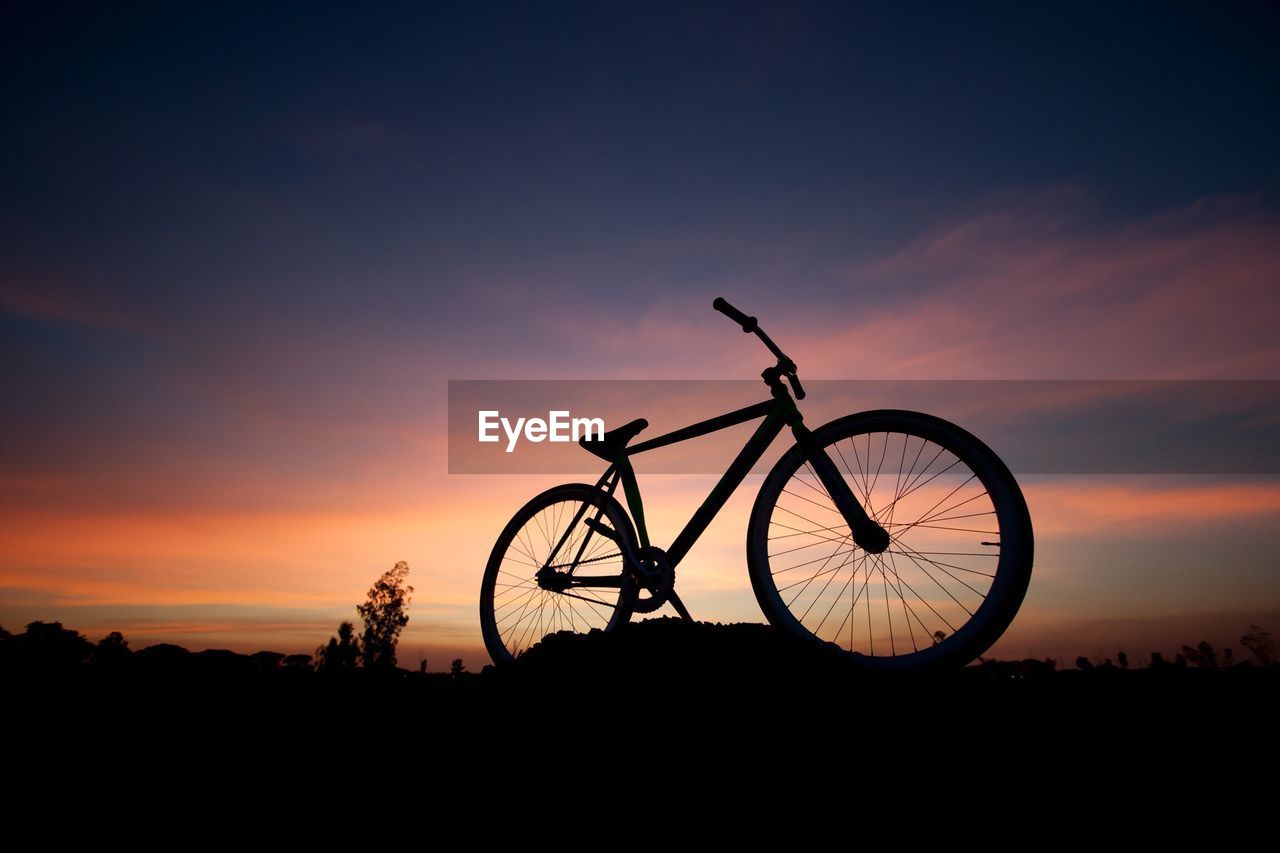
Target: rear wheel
527, 593
959, 558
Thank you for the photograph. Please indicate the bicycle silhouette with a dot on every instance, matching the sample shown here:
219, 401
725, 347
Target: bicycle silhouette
894, 535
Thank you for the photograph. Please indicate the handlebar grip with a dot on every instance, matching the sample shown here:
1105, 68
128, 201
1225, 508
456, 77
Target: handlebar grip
748, 324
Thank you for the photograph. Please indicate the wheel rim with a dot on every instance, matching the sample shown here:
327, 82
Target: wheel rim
518, 611
938, 583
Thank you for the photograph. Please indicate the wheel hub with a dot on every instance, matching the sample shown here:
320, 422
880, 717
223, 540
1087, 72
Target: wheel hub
873, 539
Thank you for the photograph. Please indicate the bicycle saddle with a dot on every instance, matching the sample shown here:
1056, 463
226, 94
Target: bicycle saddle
611, 445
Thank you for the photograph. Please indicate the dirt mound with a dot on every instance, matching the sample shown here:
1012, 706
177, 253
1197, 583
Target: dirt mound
671, 649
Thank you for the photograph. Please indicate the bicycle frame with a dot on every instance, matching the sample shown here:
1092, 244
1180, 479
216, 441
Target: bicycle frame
778, 413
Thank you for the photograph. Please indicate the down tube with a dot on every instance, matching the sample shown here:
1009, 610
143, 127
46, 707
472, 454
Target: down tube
742, 464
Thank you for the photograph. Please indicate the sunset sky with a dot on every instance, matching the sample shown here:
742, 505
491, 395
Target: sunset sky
243, 250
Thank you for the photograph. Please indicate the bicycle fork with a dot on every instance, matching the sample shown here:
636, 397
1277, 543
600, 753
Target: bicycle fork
867, 534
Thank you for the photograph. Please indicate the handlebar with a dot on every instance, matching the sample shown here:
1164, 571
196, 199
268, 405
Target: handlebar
748, 324
786, 367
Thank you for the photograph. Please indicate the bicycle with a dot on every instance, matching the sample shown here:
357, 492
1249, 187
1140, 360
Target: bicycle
894, 535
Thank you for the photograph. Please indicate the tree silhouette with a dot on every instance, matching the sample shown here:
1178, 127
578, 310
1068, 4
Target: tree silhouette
1122, 659
112, 649
1260, 645
50, 646
1202, 655
384, 616
341, 653
456, 668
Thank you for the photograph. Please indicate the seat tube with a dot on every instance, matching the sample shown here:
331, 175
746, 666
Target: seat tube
634, 502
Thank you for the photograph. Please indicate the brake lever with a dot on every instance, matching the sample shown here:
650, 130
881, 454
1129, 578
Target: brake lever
794, 381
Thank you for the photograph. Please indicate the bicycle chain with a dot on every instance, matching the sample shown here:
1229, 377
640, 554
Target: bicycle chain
591, 560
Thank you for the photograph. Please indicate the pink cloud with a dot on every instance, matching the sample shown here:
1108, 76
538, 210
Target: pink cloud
1016, 293
1028, 287
51, 301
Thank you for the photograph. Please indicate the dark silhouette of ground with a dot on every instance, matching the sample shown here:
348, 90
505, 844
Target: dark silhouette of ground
734, 696
648, 661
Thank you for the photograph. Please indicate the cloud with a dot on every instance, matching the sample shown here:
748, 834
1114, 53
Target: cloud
49, 301
1147, 507
1028, 286
1032, 290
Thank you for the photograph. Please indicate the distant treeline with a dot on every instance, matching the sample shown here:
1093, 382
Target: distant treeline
49, 648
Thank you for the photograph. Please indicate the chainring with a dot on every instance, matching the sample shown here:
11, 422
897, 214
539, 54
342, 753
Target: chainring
658, 585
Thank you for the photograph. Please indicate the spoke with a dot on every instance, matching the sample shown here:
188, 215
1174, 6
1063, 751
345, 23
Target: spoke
888, 614
821, 487
897, 485
806, 586
912, 486
940, 585
907, 607
833, 572
803, 481
815, 503
960, 553
525, 562
852, 605
523, 549
906, 480
948, 565
897, 588
799, 516
852, 476
930, 480
590, 601
981, 494
834, 601
926, 603
950, 517
821, 571
816, 559
802, 547
799, 532
944, 527
884, 450
948, 574
948, 495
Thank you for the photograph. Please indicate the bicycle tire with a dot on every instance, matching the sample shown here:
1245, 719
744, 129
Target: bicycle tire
509, 590
996, 544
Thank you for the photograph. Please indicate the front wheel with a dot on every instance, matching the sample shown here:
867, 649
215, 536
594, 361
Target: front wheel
550, 571
958, 561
